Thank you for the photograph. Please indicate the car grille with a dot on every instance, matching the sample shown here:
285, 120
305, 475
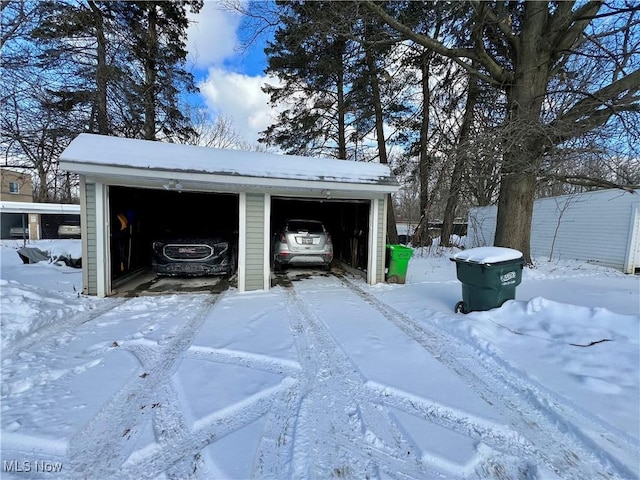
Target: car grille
188, 252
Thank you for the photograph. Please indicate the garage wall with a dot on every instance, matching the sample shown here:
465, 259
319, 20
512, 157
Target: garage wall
90, 255
382, 238
594, 226
255, 238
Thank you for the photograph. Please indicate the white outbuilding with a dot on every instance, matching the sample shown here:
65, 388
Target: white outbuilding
246, 194
601, 227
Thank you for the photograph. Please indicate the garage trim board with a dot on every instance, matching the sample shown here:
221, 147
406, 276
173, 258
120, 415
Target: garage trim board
163, 186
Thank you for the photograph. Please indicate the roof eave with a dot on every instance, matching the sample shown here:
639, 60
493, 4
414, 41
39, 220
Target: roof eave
204, 181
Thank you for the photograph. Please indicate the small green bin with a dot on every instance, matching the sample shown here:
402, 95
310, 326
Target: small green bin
489, 277
397, 261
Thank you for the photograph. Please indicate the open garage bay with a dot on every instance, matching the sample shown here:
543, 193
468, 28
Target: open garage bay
346, 220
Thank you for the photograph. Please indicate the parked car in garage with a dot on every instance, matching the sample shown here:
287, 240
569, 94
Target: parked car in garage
19, 232
302, 242
69, 229
193, 256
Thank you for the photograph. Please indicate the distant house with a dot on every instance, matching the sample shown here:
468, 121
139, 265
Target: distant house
601, 227
35, 221
15, 186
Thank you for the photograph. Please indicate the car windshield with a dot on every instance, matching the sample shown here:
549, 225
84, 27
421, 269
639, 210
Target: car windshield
304, 226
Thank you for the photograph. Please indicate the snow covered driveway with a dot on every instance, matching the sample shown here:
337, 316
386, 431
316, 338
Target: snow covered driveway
321, 380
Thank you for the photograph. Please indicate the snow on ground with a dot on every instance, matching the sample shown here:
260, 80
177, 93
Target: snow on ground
328, 378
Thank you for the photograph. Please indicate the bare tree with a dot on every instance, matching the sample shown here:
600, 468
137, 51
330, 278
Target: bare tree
218, 132
461, 155
525, 49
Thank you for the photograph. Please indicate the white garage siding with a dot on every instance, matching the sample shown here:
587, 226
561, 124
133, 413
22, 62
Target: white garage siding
89, 238
599, 227
254, 234
381, 239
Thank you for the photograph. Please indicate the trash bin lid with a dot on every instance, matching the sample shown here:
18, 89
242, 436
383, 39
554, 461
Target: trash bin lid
487, 255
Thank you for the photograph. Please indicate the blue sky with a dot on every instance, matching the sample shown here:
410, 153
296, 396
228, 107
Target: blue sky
229, 79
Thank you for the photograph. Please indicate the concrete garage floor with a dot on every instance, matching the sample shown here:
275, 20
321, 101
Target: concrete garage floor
148, 283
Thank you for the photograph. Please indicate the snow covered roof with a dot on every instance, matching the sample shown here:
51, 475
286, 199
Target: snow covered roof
29, 207
488, 255
98, 154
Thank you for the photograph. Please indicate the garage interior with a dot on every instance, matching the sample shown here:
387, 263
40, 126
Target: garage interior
49, 223
11, 220
152, 214
346, 220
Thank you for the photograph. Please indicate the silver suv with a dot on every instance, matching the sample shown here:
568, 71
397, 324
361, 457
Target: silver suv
302, 242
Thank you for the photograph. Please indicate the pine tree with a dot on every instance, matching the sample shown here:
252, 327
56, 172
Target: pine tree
156, 56
310, 58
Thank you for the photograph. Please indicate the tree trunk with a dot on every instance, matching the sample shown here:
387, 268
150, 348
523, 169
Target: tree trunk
521, 163
515, 210
462, 152
425, 160
149, 93
524, 140
101, 70
342, 110
42, 193
392, 231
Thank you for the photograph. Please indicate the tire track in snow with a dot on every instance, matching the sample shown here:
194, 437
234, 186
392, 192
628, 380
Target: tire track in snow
275, 448
110, 437
245, 359
344, 428
329, 379
171, 429
559, 444
153, 461
61, 327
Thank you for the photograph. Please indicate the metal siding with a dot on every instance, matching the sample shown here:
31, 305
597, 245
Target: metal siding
90, 255
481, 226
254, 279
592, 226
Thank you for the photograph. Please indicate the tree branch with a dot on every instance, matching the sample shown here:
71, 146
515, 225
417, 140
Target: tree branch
586, 181
596, 108
497, 76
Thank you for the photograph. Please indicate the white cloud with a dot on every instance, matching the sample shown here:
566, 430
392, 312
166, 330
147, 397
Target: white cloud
239, 97
211, 37
212, 45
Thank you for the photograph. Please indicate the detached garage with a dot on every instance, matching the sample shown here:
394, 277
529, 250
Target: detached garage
159, 187
601, 227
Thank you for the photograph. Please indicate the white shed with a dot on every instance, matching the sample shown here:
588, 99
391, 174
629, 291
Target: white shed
246, 194
601, 227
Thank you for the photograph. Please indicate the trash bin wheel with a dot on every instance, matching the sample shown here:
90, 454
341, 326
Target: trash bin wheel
460, 308
393, 279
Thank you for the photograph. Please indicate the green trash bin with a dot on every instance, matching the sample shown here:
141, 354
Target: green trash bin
397, 260
489, 277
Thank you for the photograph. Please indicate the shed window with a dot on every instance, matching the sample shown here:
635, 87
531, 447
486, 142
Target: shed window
14, 187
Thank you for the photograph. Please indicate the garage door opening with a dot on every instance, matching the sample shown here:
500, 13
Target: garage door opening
346, 220
140, 216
